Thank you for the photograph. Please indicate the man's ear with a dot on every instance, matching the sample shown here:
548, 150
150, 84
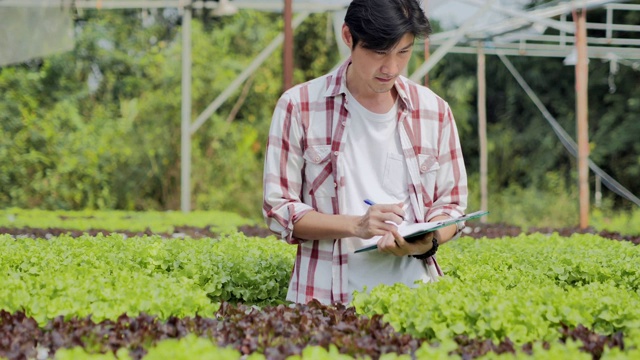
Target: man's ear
346, 36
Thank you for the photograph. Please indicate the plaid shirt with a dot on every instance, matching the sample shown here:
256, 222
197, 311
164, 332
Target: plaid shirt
304, 171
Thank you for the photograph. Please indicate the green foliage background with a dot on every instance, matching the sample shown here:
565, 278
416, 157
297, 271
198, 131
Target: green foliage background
99, 127
64, 145
532, 178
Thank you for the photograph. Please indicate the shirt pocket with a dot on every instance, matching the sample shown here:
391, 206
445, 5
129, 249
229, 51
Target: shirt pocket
395, 174
428, 167
318, 174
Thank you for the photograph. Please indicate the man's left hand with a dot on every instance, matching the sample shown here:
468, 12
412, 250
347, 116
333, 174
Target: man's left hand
393, 243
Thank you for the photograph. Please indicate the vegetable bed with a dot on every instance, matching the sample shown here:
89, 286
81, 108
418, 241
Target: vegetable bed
118, 295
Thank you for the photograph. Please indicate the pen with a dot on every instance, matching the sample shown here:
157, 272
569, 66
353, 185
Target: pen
371, 203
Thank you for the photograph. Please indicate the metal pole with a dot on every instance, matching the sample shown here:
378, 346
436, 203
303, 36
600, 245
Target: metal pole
287, 54
598, 196
482, 129
185, 143
582, 113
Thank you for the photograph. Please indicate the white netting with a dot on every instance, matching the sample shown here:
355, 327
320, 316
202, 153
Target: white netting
31, 32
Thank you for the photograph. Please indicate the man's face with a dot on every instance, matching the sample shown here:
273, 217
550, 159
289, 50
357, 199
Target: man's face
375, 71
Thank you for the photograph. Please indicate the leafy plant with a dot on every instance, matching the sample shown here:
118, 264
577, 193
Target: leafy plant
520, 288
106, 276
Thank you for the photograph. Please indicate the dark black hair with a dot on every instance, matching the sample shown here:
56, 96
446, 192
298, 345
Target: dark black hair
380, 24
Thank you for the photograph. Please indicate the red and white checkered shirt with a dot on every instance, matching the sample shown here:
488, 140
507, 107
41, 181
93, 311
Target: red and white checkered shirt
304, 171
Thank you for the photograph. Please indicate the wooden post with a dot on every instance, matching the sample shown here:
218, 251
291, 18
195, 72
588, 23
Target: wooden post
427, 51
426, 58
482, 130
582, 114
287, 60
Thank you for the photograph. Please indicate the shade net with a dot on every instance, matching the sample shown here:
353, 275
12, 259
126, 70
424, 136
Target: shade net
32, 32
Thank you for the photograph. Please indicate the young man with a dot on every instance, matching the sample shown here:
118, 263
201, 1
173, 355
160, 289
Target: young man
363, 132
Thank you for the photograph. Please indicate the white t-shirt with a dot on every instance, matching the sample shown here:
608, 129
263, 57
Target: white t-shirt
376, 170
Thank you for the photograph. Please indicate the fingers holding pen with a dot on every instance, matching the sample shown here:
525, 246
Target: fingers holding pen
374, 223
395, 212
379, 220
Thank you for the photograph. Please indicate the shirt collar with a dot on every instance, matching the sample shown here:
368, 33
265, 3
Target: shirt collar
337, 84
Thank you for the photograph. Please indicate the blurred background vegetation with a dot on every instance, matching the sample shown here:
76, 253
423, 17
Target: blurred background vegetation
99, 127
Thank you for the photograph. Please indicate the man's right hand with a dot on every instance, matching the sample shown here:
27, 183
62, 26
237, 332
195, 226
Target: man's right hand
379, 220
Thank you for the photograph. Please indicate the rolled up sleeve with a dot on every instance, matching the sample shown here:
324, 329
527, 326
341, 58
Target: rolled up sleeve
283, 171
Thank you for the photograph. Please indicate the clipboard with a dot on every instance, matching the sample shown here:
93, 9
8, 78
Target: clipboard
413, 232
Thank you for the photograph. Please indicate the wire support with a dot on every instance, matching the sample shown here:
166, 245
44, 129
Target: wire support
564, 137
